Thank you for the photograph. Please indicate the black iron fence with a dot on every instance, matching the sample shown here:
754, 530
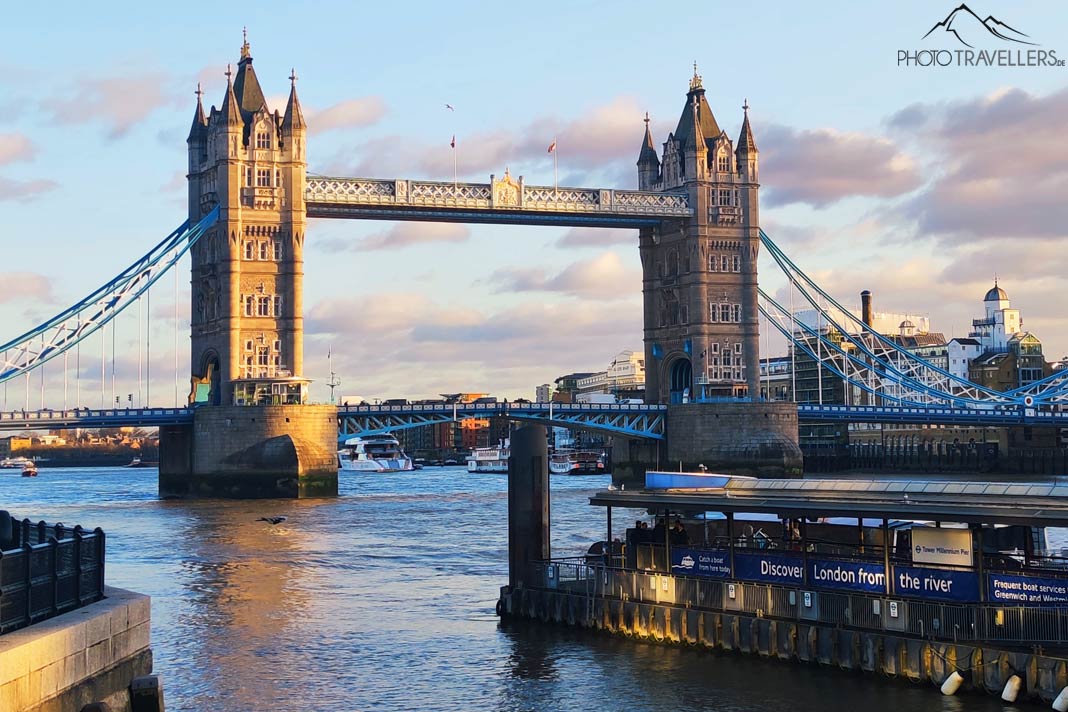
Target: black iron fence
971, 622
47, 570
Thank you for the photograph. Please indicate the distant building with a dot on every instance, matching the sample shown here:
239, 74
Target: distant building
543, 393
567, 387
14, 444
623, 379
961, 352
776, 379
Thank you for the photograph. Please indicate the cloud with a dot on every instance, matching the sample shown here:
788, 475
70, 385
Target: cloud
119, 103
352, 113
15, 147
1000, 166
823, 166
597, 237
603, 138
24, 286
601, 277
400, 344
16, 190
401, 235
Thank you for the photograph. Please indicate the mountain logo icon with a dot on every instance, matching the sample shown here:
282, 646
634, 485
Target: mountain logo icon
968, 28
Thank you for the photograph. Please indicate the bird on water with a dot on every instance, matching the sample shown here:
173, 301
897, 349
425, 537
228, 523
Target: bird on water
272, 520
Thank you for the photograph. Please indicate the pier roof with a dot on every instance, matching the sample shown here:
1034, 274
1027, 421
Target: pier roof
1034, 504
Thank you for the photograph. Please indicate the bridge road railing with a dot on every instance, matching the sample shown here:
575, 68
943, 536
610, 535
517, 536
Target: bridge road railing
47, 570
929, 620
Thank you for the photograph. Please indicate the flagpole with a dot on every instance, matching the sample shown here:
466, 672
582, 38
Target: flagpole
454, 164
556, 182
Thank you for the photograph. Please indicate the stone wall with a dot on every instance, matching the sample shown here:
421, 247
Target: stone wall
88, 655
758, 439
255, 451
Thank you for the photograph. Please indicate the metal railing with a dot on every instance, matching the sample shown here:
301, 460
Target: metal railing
48, 570
973, 623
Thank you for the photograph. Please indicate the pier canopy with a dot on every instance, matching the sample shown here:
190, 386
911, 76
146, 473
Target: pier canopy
1028, 504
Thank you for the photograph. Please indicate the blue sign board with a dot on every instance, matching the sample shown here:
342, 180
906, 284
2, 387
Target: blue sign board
770, 568
700, 562
864, 576
1026, 590
939, 584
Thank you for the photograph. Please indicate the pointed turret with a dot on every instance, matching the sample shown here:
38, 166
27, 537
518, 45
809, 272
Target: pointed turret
746, 153
684, 132
294, 117
198, 130
246, 86
648, 162
231, 114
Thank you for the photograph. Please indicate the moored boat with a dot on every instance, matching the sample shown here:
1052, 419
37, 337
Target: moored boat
373, 453
577, 462
15, 463
489, 459
29, 470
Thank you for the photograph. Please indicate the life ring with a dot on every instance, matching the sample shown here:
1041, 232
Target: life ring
499, 607
1029, 401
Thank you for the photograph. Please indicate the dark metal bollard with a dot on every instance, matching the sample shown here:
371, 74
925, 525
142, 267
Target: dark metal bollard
146, 694
528, 502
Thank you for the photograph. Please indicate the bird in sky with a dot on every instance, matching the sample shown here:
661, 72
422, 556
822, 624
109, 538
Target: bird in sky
450, 107
272, 520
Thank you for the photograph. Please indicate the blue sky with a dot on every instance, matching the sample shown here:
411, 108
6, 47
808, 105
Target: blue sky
917, 183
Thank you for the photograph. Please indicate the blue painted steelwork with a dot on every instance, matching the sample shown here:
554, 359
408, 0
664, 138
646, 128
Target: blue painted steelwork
73, 325
101, 418
991, 416
493, 217
633, 420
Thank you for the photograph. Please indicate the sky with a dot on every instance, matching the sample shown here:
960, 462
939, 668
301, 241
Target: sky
917, 183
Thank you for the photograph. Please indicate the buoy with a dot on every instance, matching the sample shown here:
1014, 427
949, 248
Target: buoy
952, 684
1012, 689
1061, 702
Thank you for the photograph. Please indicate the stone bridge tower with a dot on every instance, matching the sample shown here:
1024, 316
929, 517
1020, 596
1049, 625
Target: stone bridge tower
253, 435
248, 271
700, 276
701, 317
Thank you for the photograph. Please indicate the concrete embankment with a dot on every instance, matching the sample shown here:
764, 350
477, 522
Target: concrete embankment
984, 669
88, 655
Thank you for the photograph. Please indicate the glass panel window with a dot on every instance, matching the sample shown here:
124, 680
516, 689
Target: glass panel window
277, 345
737, 319
263, 356
738, 348
713, 316
724, 264
248, 176
724, 162
248, 249
263, 251
250, 305
737, 263
277, 245
713, 263
715, 348
725, 312
264, 306
263, 177
248, 345
278, 306
724, 197
263, 139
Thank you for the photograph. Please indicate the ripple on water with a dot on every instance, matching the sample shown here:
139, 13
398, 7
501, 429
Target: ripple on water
383, 599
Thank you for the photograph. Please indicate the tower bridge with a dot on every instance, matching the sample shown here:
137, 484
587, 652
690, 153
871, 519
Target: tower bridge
249, 430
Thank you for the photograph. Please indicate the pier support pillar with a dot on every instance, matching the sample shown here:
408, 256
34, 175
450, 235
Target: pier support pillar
528, 502
251, 452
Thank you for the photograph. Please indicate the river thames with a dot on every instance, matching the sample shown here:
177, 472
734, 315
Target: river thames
383, 599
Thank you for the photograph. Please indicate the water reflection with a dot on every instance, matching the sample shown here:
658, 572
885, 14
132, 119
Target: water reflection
384, 599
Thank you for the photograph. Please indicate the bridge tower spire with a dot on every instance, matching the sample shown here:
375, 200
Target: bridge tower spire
700, 275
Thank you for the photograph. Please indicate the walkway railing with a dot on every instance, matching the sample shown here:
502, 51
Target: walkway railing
47, 570
974, 623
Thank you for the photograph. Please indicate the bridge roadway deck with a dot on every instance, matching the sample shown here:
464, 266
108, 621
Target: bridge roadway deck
933, 415
504, 202
637, 419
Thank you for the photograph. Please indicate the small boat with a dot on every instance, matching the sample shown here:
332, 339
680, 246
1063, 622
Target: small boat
30, 470
138, 462
374, 453
576, 462
489, 459
15, 463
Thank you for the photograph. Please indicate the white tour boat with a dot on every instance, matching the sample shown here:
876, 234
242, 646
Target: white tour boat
489, 459
373, 453
572, 462
16, 463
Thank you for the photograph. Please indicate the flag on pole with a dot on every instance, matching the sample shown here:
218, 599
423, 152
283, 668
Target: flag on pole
552, 147
452, 143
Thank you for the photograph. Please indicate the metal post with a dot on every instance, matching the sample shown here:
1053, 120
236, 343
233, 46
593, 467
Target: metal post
667, 541
139, 338
730, 539
977, 545
819, 351
148, 349
886, 554
103, 362
176, 335
113, 323
65, 354
793, 346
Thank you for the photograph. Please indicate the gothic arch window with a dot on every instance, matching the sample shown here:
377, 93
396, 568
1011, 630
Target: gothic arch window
263, 139
723, 161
